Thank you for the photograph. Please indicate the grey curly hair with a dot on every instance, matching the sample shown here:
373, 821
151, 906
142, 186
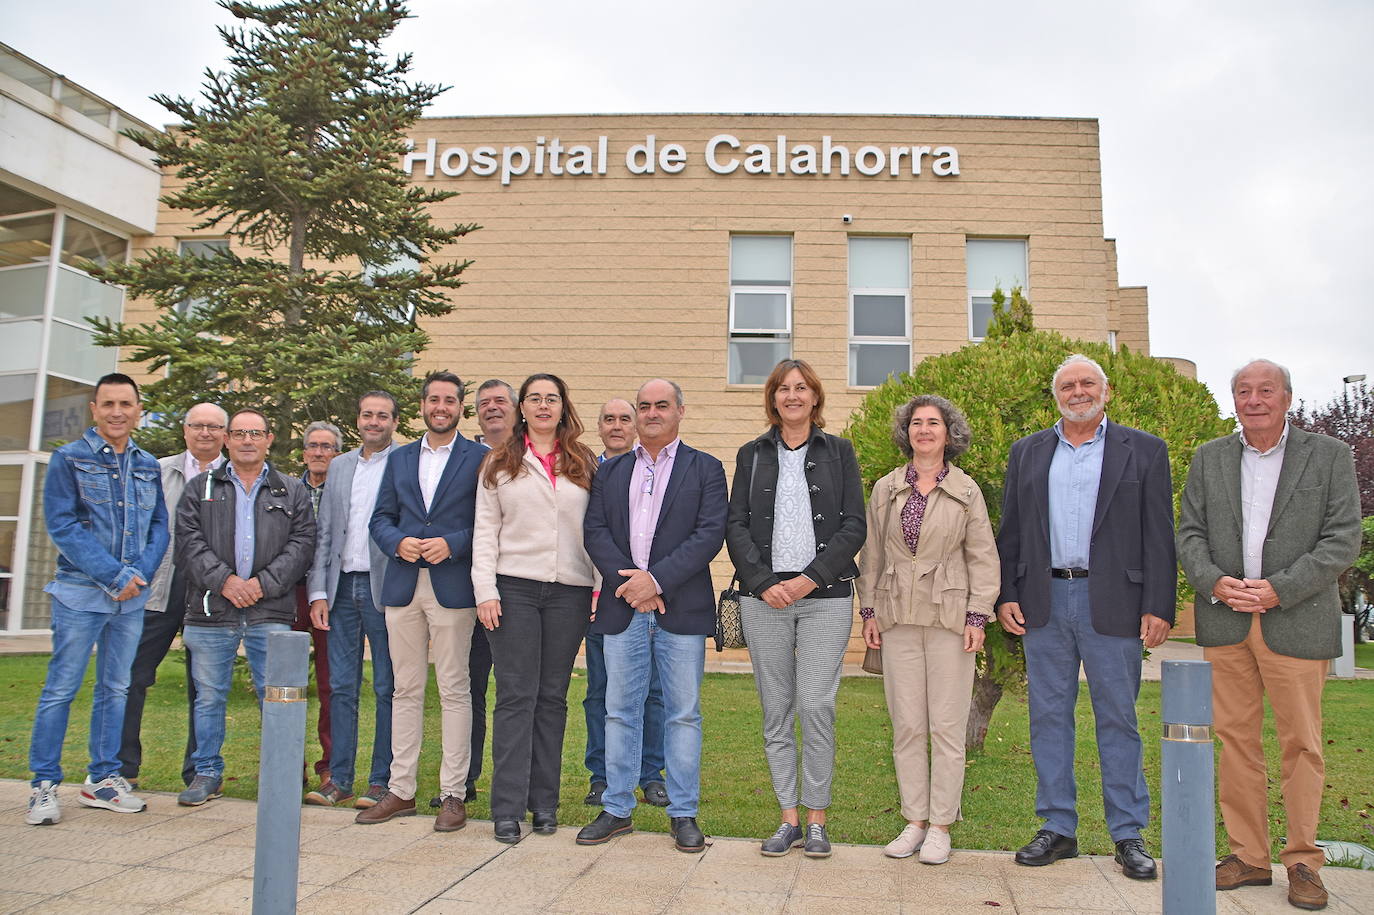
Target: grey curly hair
956, 425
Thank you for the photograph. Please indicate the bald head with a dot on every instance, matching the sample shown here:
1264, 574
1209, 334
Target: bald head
204, 428
615, 424
659, 410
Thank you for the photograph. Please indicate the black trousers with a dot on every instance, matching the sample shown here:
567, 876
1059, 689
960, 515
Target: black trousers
542, 625
479, 671
159, 629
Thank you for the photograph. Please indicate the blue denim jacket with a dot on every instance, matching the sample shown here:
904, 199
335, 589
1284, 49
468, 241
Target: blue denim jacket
81, 497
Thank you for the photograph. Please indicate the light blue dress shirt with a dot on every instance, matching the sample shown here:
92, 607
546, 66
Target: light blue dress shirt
244, 503
1074, 477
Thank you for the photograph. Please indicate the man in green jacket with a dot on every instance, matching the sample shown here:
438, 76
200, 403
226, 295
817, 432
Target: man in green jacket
1270, 519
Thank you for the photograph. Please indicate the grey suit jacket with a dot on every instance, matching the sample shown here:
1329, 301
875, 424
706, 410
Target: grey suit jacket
1314, 536
333, 523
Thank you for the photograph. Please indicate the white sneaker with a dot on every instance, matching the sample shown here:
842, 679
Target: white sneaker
935, 849
907, 843
110, 793
43, 807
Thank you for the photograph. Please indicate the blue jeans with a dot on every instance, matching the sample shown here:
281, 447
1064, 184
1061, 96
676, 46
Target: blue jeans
594, 710
352, 617
1112, 665
213, 649
74, 634
632, 658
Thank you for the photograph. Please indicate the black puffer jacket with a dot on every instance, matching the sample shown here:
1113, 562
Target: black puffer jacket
283, 546
837, 511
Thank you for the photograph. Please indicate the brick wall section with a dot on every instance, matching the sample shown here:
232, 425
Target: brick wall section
611, 279
1135, 319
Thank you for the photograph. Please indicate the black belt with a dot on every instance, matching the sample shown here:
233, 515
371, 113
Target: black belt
1069, 573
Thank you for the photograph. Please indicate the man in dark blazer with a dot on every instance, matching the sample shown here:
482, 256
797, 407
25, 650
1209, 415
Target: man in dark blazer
655, 520
1270, 519
1088, 574
423, 524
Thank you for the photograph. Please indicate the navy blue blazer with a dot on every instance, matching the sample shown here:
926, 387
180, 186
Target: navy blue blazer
690, 531
1131, 555
400, 513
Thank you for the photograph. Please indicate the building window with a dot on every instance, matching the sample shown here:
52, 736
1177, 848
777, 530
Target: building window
993, 263
760, 305
200, 247
879, 309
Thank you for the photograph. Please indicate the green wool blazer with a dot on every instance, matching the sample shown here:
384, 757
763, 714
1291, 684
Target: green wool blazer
1314, 536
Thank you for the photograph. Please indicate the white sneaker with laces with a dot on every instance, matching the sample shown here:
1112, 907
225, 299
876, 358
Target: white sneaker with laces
110, 793
935, 849
44, 810
907, 843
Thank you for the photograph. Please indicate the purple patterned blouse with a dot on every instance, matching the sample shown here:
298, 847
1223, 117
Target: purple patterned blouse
913, 513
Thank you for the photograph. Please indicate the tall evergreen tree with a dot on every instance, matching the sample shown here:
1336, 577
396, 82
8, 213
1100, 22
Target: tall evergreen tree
294, 154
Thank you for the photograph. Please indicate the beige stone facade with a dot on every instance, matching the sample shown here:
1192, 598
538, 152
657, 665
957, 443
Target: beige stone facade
613, 277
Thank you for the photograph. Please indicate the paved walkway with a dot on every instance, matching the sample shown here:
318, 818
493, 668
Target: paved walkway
178, 859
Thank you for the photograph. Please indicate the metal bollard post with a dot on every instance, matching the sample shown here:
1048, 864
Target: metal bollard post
276, 858
1187, 782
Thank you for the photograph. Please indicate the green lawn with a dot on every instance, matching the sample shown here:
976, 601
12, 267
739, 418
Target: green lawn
737, 799
1364, 654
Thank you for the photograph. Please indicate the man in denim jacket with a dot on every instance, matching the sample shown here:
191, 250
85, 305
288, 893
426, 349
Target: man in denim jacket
103, 505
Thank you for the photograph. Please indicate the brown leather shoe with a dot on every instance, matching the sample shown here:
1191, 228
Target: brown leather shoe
452, 817
388, 807
328, 795
1233, 872
1305, 890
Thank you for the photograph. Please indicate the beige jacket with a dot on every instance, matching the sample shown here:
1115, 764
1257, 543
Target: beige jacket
955, 570
528, 528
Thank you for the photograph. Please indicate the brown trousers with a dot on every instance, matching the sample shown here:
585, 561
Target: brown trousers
1242, 674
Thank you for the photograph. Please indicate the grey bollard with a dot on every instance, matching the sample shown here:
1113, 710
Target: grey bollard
276, 857
1187, 782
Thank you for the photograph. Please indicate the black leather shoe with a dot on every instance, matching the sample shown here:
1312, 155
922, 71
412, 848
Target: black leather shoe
593, 798
655, 793
1046, 848
507, 831
686, 835
604, 828
1135, 862
545, 822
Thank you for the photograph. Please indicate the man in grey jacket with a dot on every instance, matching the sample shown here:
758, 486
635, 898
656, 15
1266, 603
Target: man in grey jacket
204, 429
345, 588
1270, 518
245, 536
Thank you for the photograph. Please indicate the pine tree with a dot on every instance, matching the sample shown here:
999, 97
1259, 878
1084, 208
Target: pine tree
294, 154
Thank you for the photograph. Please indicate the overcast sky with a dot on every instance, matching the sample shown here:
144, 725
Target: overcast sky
1236, 136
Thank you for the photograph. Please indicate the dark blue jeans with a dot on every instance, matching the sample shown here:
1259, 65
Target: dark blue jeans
1112, 665
594, 710
352, 618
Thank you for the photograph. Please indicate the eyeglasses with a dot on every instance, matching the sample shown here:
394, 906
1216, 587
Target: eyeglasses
256, 435
535, 400
321, 446
205, 427
648, 489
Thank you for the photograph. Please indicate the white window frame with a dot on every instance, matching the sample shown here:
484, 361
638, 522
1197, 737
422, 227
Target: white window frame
855, 339
987, 293
183, 307
735, 334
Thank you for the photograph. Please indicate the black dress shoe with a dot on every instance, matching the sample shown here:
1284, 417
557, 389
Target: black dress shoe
593, 798
604, 828
1135, 862
507, 831
438, 801
686, 835
1046, 848
655, 793
545, 822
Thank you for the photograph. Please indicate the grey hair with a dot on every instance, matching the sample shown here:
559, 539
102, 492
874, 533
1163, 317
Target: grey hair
496, 383
223, 413
1077, 359
958, 435
677, 389
1282, 369
320, 425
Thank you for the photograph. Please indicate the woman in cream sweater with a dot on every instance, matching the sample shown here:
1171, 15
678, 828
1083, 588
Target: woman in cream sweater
533, 583
927, 582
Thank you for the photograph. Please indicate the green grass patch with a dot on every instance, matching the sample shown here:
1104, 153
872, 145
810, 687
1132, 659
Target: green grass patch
1364, 654
737, 798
